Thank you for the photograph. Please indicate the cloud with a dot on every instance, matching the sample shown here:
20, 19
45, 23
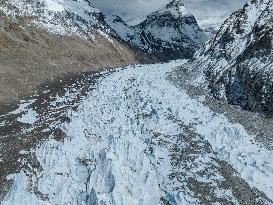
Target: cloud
203, 8
137, 8
129, 8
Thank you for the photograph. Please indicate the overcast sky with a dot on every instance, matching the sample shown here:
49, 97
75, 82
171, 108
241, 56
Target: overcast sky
139, 8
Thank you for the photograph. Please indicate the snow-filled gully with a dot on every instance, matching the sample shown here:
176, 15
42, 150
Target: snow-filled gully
138, 139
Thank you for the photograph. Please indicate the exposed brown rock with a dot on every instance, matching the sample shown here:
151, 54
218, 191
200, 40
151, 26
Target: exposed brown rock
29, 56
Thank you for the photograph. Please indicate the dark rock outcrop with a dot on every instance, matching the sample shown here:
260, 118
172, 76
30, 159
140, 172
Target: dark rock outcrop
237, 64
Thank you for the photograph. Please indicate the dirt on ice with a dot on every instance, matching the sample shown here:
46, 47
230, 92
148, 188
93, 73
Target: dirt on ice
131, 136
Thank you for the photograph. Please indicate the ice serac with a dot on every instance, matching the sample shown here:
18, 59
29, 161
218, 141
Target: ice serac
137, 139
169, 33
237, 63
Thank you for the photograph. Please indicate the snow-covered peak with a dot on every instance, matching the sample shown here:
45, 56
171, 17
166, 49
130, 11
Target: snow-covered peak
82, 8
176, 8
57, 16
169, 33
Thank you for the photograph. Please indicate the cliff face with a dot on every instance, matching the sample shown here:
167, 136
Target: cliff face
38, 43
237, 63
169, 33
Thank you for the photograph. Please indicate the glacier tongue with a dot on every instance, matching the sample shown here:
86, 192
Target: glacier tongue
138, 139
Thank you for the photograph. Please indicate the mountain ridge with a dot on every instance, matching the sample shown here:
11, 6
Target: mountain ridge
171, 32
236, 64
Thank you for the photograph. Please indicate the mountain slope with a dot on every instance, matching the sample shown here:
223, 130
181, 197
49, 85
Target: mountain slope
171, 32
43, 40
61, 17
237, 63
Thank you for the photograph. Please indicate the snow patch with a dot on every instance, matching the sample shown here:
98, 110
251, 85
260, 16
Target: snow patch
30, 117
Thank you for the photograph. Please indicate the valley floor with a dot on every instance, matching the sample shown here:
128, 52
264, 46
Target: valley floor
132, 136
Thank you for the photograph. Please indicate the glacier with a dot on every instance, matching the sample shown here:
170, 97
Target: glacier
137, 139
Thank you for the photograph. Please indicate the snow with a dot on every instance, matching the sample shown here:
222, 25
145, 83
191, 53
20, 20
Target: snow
63, 17
220, 59
168, 28
120, 146
22, 152
122, 29
30, 117
19, 194
177, 8
23, 106
54, 5
181, 11
106, 36
2, 123
27, 115
211, 24
253, 13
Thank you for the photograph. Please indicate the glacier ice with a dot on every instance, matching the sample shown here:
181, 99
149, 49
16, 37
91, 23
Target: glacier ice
126, 142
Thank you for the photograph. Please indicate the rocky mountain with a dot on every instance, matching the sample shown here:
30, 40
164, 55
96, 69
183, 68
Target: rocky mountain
60, 17
42, 40
169, 33
237, 63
